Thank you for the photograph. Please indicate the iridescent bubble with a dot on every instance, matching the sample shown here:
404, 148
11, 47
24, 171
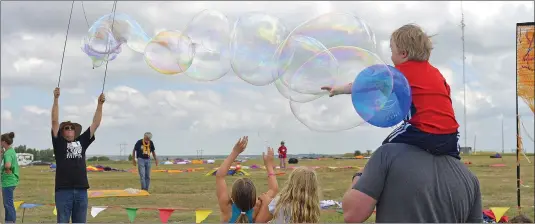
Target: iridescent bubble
296, 51
337, 30
210, 32
123, 29
170, 52
254, 41
330, 113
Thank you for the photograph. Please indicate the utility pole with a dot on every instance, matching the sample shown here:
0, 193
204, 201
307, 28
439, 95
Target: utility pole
199, 152
122, 149
475, 137
503, 146
464, 78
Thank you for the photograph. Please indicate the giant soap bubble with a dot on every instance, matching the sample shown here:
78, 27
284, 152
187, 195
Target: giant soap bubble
107, 35
170, 53
330, 113
209, 31
381, 95
254, 41
298, 49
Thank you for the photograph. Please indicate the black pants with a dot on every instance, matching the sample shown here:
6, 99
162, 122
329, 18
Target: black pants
446, 144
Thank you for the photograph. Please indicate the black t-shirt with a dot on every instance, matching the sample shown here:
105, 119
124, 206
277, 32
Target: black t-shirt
142, 151
71, 171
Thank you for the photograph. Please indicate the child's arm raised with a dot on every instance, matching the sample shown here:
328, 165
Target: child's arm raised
221, 185
272, 179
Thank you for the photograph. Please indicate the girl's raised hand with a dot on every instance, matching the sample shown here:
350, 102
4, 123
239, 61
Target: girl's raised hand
268, 157
240, 146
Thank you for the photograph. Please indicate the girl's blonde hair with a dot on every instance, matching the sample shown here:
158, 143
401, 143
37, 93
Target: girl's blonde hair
299, 198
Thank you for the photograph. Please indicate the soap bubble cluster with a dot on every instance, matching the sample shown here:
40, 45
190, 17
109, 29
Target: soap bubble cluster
332, 49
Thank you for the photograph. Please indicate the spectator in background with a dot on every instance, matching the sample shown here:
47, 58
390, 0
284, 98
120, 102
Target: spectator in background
2, 212
10, 176
142, 150
410, 185
282, 155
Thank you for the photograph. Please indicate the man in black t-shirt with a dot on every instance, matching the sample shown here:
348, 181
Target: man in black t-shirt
70, 146
142, 150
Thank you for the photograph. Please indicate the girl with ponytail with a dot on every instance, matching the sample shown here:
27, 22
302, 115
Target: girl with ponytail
242, 205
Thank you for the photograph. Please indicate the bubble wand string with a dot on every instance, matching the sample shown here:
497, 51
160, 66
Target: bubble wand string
65, 44
85, 16
107, 45
265, 142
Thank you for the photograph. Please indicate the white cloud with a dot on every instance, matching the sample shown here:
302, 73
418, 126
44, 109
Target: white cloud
185, 114
6, 115
36, 110
4, 94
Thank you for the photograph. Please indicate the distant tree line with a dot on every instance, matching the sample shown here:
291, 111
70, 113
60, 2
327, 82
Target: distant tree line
47, 155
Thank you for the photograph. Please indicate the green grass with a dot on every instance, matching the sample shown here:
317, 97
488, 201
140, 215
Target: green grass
194, 190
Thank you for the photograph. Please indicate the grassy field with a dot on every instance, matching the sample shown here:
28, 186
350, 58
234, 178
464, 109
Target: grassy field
194, 190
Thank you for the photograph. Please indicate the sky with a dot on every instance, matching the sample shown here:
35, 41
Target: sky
185, 115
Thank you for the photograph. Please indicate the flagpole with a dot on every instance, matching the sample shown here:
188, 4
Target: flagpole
517, 129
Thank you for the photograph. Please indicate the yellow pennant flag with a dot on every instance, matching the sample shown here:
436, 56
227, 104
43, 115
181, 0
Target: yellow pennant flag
499, 212
55, 211
18, 204
201, 215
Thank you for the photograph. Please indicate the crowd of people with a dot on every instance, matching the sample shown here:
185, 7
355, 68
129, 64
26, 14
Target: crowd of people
415, 176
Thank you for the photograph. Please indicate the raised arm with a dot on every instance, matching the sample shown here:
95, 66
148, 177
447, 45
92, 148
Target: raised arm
55, 114
221, 185
98, 115
271, 177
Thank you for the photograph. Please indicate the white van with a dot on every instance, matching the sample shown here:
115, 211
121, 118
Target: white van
24, 159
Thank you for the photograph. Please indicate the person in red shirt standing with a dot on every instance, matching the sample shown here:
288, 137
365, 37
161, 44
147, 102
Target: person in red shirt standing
282, 155
431, 123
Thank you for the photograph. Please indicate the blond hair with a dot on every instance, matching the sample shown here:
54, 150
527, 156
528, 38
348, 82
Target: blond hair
413, 40
299, 198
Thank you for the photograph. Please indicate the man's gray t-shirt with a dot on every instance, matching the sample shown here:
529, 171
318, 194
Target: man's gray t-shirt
414, 186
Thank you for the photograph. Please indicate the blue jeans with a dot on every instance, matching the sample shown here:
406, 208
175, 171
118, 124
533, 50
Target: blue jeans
445, 144
143, 168
9, 204
71, 203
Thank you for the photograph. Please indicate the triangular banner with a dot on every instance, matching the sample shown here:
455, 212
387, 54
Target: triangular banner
131, 212
499, 212
165, 214
17, 204
55, 212
97, 209
201, 215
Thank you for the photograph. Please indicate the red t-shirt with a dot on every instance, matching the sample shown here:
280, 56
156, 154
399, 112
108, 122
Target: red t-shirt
282, 151
431, 109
